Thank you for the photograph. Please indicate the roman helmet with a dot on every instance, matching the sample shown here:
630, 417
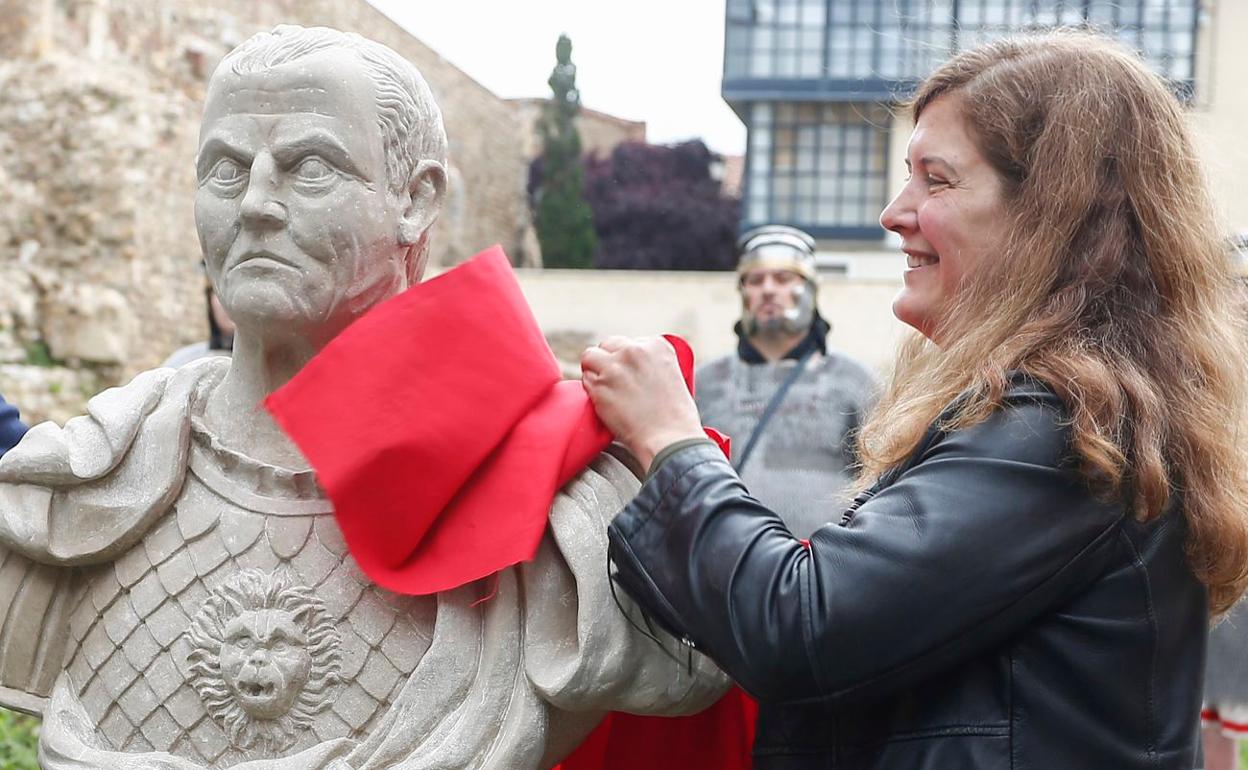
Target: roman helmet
780, 247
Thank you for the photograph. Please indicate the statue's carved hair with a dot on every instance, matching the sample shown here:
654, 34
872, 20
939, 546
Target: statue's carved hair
408, 116
252, 590
1114, 286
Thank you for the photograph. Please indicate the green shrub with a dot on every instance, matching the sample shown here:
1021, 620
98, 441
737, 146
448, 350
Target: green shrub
19, 739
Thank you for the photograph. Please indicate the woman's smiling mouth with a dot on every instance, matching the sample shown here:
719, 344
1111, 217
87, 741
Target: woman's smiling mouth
917, 259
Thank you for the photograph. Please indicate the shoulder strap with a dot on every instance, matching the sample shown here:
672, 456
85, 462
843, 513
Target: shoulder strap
776, 399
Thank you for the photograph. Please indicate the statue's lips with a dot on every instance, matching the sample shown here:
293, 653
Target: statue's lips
256, 691
263, 259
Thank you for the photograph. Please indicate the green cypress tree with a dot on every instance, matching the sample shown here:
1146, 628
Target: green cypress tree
565, 223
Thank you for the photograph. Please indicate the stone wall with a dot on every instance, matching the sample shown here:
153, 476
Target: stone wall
576, 308
600, 133
98, 129
99, 265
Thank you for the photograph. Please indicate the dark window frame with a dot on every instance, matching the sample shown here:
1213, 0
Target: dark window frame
924, 32
868, 122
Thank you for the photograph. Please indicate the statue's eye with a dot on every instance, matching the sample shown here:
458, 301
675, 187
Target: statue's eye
228, 174
244, 643
314, 170
281, 646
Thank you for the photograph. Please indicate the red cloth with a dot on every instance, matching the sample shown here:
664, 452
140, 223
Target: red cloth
719, 738
440, 428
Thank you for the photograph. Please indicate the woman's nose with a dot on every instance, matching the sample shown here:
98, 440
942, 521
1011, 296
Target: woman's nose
899, 215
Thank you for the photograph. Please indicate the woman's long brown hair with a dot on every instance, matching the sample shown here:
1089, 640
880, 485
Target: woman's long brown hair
1115, 286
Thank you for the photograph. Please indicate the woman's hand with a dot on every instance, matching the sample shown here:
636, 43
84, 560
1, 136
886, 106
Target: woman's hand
639, 394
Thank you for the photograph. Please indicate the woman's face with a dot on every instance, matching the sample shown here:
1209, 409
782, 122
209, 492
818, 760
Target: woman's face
950, 215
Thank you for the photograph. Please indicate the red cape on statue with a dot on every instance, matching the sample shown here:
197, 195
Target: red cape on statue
441, 429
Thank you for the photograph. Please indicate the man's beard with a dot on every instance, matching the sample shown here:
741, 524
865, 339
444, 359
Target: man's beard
795, 320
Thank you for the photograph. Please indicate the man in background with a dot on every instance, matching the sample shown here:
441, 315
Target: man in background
791, 405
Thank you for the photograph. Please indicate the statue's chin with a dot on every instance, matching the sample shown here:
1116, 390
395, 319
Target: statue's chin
268, 311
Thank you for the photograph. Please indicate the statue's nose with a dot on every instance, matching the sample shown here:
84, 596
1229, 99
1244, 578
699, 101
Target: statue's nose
262, 207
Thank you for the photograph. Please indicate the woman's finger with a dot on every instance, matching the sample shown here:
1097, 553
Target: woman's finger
615, 343
593, 359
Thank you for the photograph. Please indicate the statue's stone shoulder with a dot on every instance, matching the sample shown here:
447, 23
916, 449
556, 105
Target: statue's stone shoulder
76, 495
113, 470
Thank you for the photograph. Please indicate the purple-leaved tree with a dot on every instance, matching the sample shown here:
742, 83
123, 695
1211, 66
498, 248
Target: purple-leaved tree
658, 207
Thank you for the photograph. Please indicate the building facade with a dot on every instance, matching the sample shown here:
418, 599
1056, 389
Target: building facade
817, 83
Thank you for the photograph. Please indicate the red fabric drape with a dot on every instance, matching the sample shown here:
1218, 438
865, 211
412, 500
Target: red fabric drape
440, 428
719, 738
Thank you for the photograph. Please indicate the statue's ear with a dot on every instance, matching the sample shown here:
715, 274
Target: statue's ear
426, 189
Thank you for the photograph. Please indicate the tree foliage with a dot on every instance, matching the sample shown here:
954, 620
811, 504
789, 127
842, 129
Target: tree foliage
564, 221
660, 208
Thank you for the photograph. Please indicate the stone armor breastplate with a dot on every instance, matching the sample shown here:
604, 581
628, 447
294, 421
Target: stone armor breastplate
150, 681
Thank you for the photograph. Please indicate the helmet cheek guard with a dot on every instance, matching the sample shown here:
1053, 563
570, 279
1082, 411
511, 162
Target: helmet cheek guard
797, 319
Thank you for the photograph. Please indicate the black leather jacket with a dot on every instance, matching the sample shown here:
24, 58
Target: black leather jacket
979, 608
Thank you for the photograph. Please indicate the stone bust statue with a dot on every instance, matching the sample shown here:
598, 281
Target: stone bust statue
174, 590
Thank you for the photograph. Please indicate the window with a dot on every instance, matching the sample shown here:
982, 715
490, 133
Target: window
891, 40
776, 38
817, 166
1163, 31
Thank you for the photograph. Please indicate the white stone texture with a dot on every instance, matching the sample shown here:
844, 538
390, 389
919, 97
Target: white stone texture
90, 323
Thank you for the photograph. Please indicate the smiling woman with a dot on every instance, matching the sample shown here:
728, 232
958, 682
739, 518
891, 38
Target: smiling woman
950, 214
1055, 491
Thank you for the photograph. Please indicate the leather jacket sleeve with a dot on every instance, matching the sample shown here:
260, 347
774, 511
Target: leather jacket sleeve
982, 530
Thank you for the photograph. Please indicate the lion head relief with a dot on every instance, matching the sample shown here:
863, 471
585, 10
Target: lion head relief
265, 660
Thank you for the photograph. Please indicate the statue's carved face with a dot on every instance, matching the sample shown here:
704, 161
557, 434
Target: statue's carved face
299, 229
265, 661
264, 658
